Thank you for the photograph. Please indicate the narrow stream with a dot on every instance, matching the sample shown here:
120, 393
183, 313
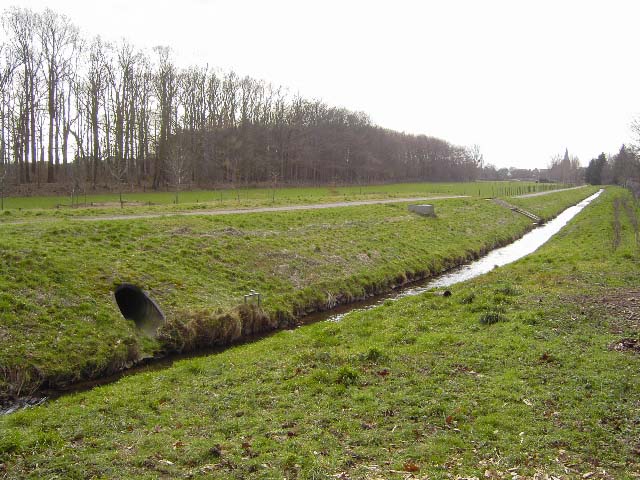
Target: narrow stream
522, 247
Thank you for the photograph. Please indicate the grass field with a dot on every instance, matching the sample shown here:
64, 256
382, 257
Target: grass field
520, 373
60, 323
154, 202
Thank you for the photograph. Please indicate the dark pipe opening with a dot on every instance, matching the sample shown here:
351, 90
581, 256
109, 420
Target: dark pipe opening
136, 305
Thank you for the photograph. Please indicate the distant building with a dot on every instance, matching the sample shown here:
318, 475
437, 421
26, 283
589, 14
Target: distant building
526, 175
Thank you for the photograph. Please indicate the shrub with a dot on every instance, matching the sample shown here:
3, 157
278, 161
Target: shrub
212, 329
468, 298
507, 289
206, 328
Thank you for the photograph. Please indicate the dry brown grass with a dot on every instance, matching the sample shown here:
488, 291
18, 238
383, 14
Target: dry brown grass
16, 381
202, 329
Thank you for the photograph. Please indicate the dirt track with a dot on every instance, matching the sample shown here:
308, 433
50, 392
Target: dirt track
537, 194
287, 208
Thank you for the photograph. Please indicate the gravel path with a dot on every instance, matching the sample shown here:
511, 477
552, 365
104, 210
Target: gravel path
287, 208
537, 194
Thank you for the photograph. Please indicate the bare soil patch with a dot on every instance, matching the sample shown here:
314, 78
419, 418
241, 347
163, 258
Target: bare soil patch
621, 306
624, 304
626, 345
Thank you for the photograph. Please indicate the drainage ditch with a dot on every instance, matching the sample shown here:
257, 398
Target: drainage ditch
139, 307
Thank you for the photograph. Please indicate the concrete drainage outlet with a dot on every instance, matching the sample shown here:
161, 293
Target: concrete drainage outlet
136, 305
424, 210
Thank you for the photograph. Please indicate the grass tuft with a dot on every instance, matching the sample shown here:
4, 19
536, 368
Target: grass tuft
347, 376
491, 317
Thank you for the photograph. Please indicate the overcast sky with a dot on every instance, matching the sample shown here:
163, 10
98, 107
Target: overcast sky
523, 80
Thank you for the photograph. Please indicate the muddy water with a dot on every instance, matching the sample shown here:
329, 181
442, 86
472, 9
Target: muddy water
496, 258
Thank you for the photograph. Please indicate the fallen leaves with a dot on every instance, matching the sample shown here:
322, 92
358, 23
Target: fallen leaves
547, 358
216, 450
626, 345
410, 467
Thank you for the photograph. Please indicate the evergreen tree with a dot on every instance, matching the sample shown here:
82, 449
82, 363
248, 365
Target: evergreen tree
593, 174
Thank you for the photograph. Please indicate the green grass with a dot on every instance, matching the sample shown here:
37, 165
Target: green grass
59, 316
60, 323
421, 383
160, 202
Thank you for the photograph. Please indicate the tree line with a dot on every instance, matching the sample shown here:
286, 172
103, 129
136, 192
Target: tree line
621, 168
85, 112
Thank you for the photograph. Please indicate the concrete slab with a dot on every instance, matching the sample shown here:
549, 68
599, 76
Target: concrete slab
425, 210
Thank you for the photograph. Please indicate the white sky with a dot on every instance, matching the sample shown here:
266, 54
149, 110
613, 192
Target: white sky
521, 79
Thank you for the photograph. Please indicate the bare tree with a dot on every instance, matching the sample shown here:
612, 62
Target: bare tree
95, 86
117, 168
58, 39
21, 26
166, 89
141, 119
126, 114
8, 64
635, 129
177, 163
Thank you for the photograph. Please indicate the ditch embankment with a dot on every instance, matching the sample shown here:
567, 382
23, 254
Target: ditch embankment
527, 371
200, 329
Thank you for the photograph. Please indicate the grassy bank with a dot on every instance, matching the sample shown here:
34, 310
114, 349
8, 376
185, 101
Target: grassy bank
60, 323
159, 202
547, 206
520, 372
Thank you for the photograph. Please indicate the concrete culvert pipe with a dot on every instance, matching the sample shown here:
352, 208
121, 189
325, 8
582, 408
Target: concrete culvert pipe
136, 305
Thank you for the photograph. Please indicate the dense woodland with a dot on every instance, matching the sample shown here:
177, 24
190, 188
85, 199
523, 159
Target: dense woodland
89, 113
